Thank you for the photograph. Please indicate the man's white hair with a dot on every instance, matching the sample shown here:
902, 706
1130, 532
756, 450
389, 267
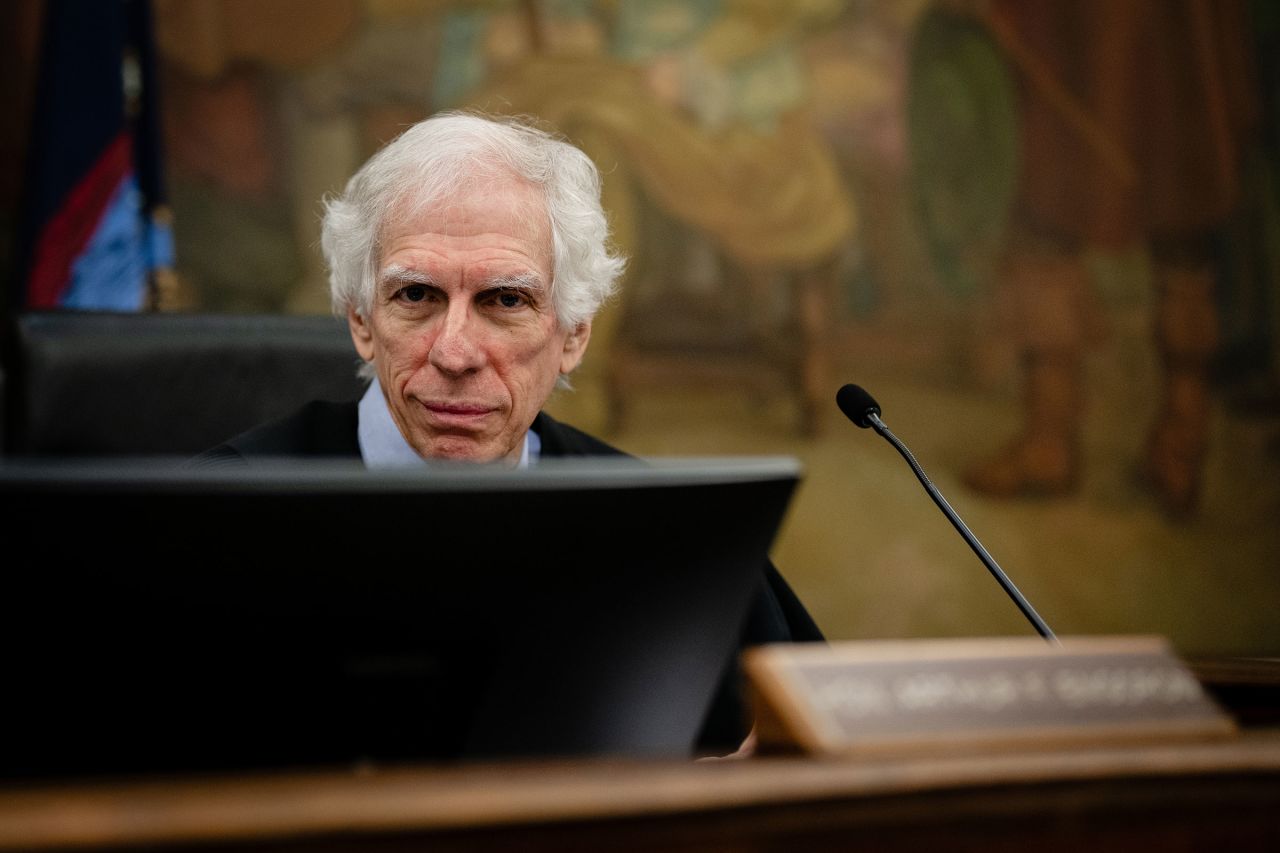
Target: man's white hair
453, 153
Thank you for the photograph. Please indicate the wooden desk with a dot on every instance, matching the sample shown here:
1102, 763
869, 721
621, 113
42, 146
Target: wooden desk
1216, 796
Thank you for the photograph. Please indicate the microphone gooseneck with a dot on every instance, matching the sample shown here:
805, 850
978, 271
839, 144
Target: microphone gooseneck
861, 408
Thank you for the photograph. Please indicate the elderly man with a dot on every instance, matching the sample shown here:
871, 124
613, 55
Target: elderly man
469, 257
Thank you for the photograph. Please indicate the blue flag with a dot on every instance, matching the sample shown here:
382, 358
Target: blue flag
96, 228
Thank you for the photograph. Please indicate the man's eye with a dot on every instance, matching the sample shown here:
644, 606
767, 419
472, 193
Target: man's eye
510, 298
414, 293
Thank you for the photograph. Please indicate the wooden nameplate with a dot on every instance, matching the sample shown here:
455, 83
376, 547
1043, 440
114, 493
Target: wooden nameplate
870, 698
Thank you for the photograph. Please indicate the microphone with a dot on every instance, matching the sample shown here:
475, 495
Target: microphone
861, 408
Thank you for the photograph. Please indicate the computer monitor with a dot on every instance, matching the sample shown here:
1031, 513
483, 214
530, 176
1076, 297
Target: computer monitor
162, 618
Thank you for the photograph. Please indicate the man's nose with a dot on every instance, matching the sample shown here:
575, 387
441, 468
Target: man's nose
457, 348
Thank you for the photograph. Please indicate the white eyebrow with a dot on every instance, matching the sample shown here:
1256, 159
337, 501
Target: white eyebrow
397, 276
520, 281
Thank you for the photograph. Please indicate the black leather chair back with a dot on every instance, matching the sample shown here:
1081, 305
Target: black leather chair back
99, 384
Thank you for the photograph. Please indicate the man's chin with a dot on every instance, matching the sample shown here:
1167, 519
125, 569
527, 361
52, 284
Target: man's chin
463, 450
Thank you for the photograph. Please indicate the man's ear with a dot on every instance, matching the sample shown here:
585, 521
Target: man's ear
575, 346
361, 334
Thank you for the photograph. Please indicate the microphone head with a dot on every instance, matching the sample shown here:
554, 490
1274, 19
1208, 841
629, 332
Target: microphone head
857, 405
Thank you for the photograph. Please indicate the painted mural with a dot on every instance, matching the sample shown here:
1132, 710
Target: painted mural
1047, 231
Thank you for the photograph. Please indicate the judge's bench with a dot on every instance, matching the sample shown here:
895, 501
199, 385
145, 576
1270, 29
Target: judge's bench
1206, 796
77, 385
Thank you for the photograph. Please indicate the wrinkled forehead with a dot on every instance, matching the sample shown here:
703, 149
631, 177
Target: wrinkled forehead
479, 198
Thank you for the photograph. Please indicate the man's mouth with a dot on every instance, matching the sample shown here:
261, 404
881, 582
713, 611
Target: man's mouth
447, 413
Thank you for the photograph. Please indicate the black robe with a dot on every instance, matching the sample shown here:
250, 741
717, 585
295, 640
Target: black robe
321, 429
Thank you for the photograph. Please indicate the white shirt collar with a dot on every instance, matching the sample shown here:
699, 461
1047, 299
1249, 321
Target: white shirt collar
383, 446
